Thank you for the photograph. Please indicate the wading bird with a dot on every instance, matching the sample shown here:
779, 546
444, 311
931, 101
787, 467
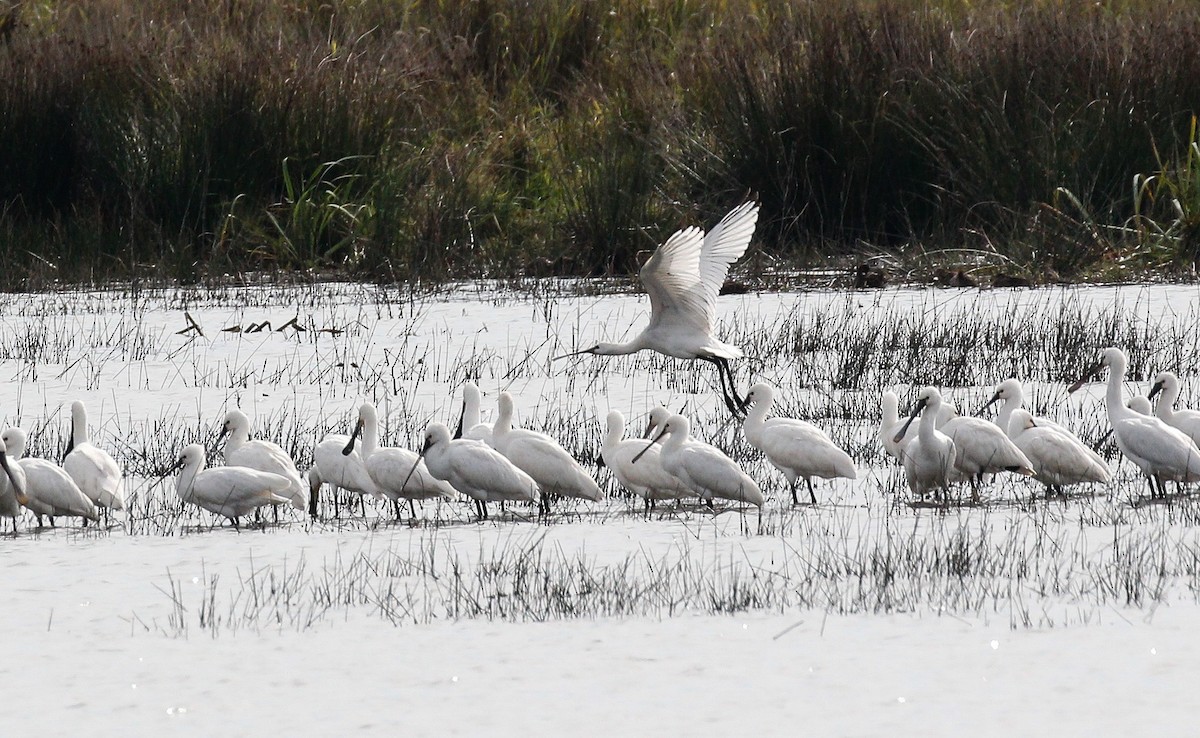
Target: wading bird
1013, 395
229, 491
94, 471
928, 458
1058, 459
12, 486
264, 456
1162, 453
982, 448
336, 461
1187, 421
49, 490
397, 472
890, 425
683, 278
800, 450
647, 478
469, 424
475, 469
542, 458
702, 467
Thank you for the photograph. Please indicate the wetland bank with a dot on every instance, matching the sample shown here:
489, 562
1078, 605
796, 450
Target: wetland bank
169, 598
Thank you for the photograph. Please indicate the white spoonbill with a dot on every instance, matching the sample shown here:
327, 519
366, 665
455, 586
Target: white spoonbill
890, 425
541, 457
683, 278
981, 447
1059, 459
928, 458
336, 461
475, 469
264, 456
12, 486
94, 471
702, 467
392, 468
49, 490
469, 424
1162, 453
1013, 395
1187, 421
800, 450
229, 491
1140, 404
646, 479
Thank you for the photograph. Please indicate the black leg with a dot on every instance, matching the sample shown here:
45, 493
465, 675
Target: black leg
812, 495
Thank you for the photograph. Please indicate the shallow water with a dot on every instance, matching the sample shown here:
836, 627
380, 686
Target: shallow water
166, 606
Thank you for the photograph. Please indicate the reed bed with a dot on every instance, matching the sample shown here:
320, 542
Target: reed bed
424, 140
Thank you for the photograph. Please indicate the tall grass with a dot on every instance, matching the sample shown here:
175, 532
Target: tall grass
497, 137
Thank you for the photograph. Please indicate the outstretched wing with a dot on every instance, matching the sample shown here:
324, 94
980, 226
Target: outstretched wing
685, 274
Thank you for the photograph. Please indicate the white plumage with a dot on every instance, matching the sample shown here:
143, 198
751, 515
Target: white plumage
800, 450
647, 478
469, 424
683, 279
49, 490
1187, 421
94, 471
264, 456
890, 425
982, 448
542, 458
702, 467
475, 469
1058, 459
397, 472
12, 485
928, 458
229, 491
1013, 395
1162, 453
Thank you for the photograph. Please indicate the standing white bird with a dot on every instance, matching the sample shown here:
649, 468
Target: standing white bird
475, 469
647, 478
469, 424
890, 425
683, 278
12, 486
229, 491
800, 450
94, 471
1162, 453
928, 458
1059, 459
336, 461
49, 490
542, 458
702, 467
1013, 395
392, 469
1187, 421
264, 456
982, 448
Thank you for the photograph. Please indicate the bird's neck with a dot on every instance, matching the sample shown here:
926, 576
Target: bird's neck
1113, 399
929, 423
79, 434
620, 349
370, 437
184, 484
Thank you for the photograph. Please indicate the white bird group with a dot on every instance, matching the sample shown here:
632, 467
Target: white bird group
88, 478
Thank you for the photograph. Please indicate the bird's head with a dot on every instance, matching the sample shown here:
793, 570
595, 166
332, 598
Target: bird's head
600, 349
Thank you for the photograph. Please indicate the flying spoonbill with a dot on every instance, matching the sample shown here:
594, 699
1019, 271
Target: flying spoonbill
683, 278
475, 469
1162, 453
800, 450
229, 491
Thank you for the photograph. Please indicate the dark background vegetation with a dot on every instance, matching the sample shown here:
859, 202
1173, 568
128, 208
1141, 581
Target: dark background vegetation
424, 139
